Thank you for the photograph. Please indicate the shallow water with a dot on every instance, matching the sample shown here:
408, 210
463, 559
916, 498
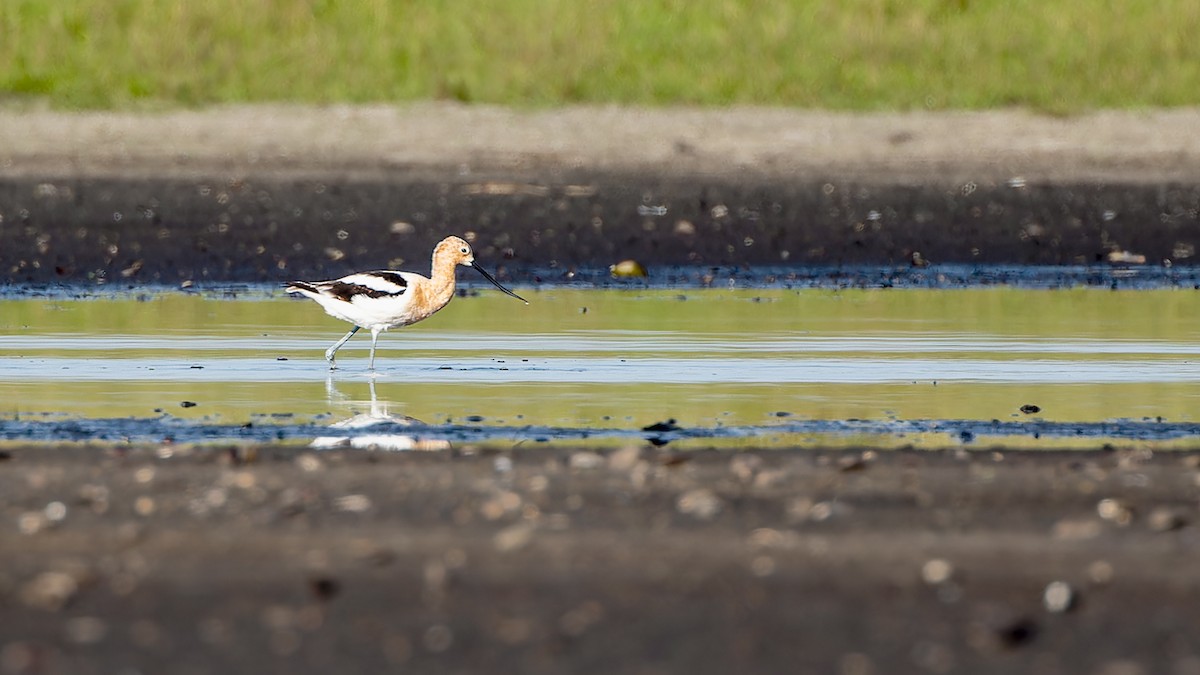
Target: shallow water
925, 367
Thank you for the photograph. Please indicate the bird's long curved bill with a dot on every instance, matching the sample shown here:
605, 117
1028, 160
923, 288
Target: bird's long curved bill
497, 283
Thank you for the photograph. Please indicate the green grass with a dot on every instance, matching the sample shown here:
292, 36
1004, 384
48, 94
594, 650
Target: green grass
1057, 55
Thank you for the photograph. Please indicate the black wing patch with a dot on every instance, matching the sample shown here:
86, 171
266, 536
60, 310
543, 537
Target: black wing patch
348, 291
394, 277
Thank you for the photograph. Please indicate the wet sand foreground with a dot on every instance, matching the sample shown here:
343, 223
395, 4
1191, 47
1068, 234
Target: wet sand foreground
638, 560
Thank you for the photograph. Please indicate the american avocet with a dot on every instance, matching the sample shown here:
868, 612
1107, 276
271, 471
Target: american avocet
386, 299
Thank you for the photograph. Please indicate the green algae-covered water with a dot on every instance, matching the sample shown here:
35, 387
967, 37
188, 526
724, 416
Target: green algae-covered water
616, 359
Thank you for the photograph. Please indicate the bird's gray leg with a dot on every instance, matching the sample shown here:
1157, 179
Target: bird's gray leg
338, 345
374, 338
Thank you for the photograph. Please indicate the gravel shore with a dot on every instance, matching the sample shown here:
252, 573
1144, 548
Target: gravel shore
638, 560
272, 193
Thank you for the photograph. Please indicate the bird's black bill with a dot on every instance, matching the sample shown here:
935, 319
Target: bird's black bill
497, 283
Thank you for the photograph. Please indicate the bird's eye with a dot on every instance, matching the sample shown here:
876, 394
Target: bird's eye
463, 250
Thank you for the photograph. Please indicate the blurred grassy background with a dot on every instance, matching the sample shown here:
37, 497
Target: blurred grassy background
1051, 55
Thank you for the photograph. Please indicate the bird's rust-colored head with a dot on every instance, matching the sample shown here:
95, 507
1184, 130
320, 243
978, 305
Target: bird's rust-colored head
456, 251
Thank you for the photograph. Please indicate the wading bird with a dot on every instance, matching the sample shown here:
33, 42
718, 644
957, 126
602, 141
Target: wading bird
386, 299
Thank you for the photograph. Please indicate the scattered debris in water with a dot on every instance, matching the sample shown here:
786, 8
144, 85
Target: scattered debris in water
270, 429
661, 432
669, 425
1122, 272
626, 269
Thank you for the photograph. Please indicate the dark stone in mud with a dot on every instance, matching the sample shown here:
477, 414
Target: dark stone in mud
1018, 633
669, 425
324, 588
1030, 409
273, 228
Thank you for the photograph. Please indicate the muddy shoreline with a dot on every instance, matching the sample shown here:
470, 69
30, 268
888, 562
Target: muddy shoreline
170, 559
266, 229
268, 194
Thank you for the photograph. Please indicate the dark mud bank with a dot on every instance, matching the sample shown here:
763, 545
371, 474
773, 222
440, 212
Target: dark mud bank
267, 559
277, 226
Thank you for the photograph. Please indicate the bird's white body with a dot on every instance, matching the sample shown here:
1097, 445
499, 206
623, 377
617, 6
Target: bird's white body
386, 299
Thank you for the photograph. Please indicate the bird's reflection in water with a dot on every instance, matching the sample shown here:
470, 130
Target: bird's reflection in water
373, 430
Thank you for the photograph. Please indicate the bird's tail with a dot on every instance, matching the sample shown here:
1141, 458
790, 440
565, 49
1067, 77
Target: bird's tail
300, 287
